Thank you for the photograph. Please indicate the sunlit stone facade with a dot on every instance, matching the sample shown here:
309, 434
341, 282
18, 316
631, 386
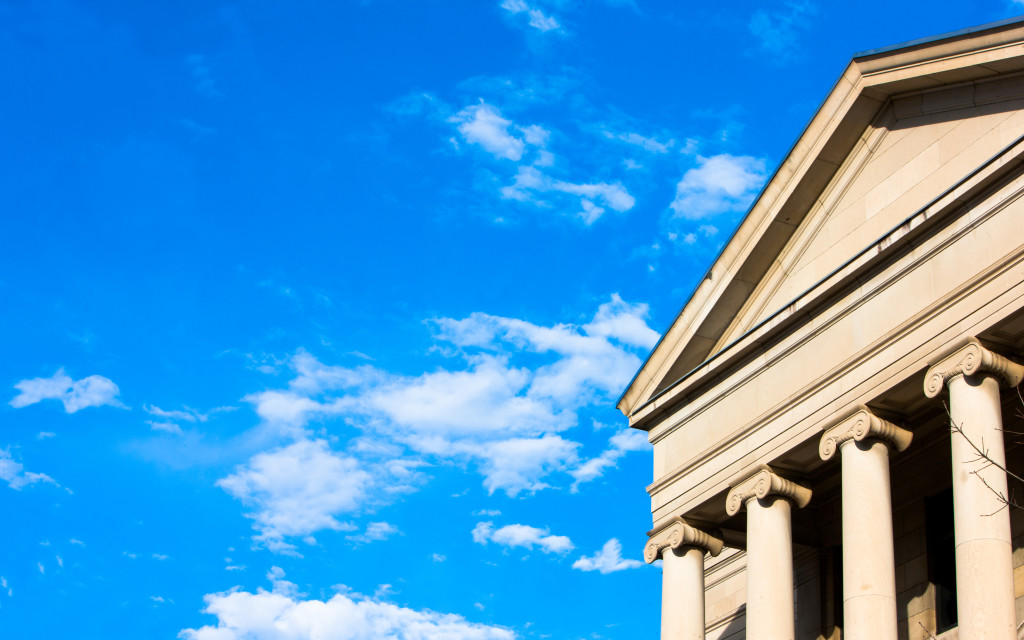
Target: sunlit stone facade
807, 481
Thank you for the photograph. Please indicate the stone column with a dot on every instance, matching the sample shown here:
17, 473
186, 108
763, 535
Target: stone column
681, 548
768, 499
869, 567
981, 519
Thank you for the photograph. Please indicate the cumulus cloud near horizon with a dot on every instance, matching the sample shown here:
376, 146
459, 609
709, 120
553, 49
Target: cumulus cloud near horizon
283, 614
91, 391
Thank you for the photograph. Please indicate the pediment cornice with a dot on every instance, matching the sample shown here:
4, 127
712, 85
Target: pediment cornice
815, 302
868, 85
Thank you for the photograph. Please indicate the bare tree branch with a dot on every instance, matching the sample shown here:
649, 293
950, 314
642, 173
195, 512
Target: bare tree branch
982, 456
925, 629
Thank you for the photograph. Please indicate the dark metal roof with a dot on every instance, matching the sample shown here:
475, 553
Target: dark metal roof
941, 36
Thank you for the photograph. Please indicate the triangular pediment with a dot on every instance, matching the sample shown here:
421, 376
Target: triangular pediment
908, 158
900, 127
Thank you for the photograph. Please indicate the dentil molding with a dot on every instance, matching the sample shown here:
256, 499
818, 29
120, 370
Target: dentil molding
860, 426
680, 534
763, 483
968, 360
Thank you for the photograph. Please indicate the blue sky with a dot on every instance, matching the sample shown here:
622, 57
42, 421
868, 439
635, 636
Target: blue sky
316, 313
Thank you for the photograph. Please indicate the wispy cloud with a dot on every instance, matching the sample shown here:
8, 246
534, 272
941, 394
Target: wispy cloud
483, 125
619, 445
531, 182
203, 80
718, 184
644, 142
375, 531
608, 560
777, 31
523, 536
169, 419
13, 473
536, 18
92, 391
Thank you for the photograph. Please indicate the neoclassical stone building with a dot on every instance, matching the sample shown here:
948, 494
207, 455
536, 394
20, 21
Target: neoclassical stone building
807, 481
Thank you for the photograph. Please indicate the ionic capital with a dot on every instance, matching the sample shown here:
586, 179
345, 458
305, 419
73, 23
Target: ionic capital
678, 534
763, 483
860, 426
968, 360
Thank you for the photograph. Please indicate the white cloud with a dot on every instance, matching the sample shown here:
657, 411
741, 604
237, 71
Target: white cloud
521, 535
487, 398
517, 464
297, 490
43, 435
608, 560
483, 125
487, 411
14, 474
92, 391
529, 182
718, 184
437, 557
281, 614
624, 322
537, 18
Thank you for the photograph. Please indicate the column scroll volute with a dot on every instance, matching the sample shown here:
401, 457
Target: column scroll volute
763, 483
969, 359
859, 426
678, 533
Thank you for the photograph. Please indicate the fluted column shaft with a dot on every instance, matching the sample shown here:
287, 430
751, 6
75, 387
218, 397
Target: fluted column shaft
768, 499
981, 519
681, 548
869, 566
